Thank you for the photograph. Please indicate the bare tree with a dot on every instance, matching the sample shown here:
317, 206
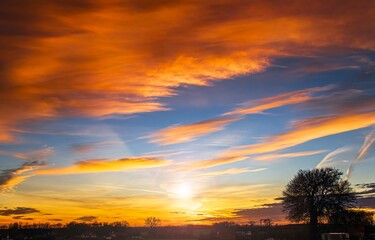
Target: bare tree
152, 222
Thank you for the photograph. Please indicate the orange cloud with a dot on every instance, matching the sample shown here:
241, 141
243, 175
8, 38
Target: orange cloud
307, 130
302, 131
188, 132
34, 159
99, 165
12, 177
12, 182
272, 157
63, 59
260, 105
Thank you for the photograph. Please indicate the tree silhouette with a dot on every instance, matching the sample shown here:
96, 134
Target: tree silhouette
317, 194
152, 222
225, 224
354, 217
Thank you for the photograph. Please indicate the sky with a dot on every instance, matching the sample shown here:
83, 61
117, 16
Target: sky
190, 111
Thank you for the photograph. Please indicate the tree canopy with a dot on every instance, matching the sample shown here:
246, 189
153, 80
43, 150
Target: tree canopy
317, 194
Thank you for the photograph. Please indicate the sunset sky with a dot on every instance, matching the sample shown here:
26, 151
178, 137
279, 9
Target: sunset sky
190, 111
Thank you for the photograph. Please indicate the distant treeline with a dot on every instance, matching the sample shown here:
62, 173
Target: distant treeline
121, 231
70, 225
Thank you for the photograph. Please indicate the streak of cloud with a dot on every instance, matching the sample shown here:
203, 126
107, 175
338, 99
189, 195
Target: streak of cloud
276, 156
333, 158
10, 178
88, 147
300, 132
369, 188
232, 171
102, 165
188, 132
130, 189
234, 190
202, 164
367, 144
40, 154
260, 105
306, 130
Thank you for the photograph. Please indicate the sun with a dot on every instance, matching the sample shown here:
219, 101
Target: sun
183, 190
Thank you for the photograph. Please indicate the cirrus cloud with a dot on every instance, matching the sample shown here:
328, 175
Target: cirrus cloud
232, 171
188, 132
102, 165
99, 58
276, 156
300, 132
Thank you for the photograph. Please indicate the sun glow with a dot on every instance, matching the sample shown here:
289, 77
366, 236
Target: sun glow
183, 190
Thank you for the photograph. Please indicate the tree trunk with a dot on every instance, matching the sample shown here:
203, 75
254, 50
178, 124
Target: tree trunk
314, 225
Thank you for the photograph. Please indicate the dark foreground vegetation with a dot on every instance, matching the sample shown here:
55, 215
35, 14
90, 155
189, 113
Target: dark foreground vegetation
219, 231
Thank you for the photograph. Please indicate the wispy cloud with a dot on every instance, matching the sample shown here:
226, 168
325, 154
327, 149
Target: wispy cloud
300, 132
235, 190
12, 177
88, 147
366, 188
34, 159
343, 101
276, 156
367, 144
39, 154
188, 132
130, 189
103, 165
232, 171
260, 105
202, 164
9, 178
333, 159
306, 130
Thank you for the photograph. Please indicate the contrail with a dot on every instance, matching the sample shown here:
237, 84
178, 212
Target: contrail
329, 159
367, 144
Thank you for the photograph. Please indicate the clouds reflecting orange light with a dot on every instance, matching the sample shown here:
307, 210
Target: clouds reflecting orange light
86, 124
63, 59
